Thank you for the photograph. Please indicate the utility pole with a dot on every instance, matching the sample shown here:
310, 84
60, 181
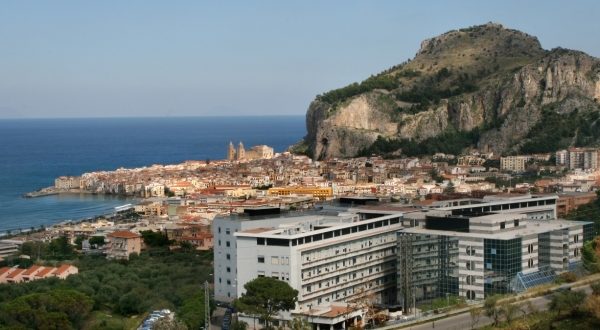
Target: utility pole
206, 307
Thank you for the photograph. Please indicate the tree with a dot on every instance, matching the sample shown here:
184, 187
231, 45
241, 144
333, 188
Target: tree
97, 241
595, 289
241, 325
155, 239
566, 301
592, 306
589, 256
300, 324
509, 311
60, 248
56, 309
475, 316
265, 297
79, 241
490, 306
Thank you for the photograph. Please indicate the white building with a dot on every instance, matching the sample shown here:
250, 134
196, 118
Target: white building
327, 259
514, 163
478, 256
535, 207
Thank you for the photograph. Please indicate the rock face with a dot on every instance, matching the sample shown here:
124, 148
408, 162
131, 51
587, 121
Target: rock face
487, 77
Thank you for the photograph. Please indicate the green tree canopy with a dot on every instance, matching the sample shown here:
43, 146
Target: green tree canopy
155, 239
566, 301
265, 297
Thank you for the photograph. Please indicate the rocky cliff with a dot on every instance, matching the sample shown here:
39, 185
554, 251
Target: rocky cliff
498, 85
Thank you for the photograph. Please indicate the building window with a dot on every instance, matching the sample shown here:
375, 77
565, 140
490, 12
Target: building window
227, 231
228, 256
261, 259
470, 250
516, 223
530, 248
502, 225
228, 282
470, 265
576, 238
470, 279
470, 294
530, 263
493, 251
227, 244
261, 273
219, 242
274, 260
488, 265
576, 252
229, 269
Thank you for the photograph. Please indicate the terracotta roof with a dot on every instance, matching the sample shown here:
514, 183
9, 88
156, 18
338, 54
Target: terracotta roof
61, 269
4, 270
17, 272
123, 234
31, 270
336, 311
45, 271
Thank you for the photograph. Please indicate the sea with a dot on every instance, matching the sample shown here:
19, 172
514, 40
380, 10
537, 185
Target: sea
33, 152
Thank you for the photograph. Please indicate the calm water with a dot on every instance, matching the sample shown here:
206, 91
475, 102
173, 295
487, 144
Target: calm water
35, 151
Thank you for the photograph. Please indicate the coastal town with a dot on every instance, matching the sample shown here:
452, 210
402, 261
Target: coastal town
258, 193
182, 200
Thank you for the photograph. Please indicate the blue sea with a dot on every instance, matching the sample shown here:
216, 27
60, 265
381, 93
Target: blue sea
33, 152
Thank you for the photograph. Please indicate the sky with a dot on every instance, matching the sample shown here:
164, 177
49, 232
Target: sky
227, 58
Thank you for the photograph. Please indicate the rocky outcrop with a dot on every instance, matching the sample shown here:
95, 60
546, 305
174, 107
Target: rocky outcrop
514, 77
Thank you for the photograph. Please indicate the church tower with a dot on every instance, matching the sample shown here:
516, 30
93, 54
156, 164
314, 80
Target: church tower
231, 152
241, 153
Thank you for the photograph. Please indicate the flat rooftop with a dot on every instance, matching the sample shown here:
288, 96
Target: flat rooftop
532, 227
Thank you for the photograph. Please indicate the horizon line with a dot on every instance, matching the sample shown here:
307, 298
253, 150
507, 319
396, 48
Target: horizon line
155, 117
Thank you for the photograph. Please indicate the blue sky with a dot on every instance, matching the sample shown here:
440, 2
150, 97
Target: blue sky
193, 58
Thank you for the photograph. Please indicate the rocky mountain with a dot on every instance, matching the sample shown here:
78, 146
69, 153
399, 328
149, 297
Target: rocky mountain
484, 87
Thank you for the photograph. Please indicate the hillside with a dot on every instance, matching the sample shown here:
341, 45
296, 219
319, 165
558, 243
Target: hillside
484, 87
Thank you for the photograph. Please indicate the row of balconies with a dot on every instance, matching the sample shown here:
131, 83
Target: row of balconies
341, 256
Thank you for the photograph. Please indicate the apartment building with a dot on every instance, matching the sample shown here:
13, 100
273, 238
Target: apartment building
9, 247
482, 255
122, 243
582, 158
514, 163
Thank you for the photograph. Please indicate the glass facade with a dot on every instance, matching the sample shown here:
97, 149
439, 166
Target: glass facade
428, 268
502, 262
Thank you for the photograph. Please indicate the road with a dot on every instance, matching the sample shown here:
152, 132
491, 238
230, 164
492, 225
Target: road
464, 321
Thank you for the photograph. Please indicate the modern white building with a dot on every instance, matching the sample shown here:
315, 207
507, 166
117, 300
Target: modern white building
478, 256
225, 248
535, 207
326, 258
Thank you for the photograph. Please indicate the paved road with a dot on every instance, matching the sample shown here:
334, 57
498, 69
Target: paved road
464, 321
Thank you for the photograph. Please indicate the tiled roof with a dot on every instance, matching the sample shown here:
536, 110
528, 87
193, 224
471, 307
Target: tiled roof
45, 271
61, 269
123, 234
31, 270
